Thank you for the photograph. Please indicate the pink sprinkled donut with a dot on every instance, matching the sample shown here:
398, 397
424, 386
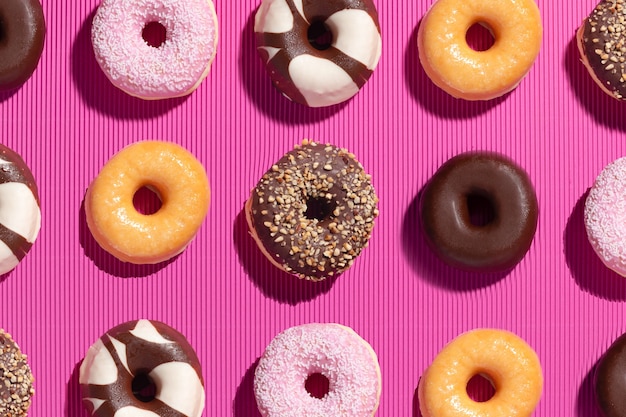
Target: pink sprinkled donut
605, 216
333, 351
174, 68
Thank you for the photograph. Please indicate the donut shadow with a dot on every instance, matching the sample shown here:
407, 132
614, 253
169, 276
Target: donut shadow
7, 94
586, 404
272, 281
426, 264
107, 262
591, 275
99, 93
73, 398
244, 403
605, 110
266, 98
416, 403
433, 98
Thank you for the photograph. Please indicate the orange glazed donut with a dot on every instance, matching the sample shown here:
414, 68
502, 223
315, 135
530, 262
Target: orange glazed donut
501, 357
179, 180
479, 75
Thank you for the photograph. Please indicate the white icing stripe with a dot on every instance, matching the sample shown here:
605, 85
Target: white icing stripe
355, 34
5, 162
298, 4
96, 402
179, 387
320, 81
8, 260
273, 16
134, 412
146, 331
271, 51
120, 348
19, 210
98, 367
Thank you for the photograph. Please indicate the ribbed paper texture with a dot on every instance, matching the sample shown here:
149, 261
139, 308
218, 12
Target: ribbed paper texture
68, 120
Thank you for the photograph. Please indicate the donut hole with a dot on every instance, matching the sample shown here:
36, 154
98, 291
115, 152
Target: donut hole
319, 208
143, 387
480, 388
154, 33
317, 385
319, 35
147, 200
480, 37
480, 209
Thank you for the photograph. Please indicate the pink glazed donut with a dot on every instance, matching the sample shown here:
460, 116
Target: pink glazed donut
333, 351
173, 69
605, 216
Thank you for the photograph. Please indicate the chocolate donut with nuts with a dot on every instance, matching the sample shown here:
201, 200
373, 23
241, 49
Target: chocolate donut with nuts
601, 42
16, 378
313, 211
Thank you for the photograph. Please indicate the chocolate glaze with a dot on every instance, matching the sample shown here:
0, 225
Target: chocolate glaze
296, 42
142, 356
445, 215
14, 363
610, 383
313, 174
22, 33
602, 38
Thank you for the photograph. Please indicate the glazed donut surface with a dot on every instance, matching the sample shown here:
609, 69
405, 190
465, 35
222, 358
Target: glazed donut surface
503, 358
332, 350
446, 212
179, 180
312, 74
22, 35
609, 382
16, 378
129, 357
479, 75
313, 211
173, 69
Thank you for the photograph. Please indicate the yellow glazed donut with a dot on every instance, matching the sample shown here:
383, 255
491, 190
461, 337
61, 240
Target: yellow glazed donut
501, 357
179, 180
479, 75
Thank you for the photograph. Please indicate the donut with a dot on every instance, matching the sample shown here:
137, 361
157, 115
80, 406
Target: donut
318, 53
479, 212
313, 211
331, 351
142, 368
20, 213
181, 184
609, 382
174, 68
605, 214
22, 35
503, 358
465, 73
601, 40
16, 378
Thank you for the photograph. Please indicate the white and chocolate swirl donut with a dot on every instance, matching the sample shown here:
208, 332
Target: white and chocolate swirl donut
142, 368
318, 53
20, 213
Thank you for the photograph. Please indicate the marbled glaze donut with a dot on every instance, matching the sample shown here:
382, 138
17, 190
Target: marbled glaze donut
142, 368
22, 36
318, 53
16, 378
601, 42
609, 381
173, 69
493, 243
313, 211
20, 213
333, 351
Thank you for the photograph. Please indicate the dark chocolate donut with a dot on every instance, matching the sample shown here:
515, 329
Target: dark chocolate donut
492, 187
313, 211
22, 33
610, 384
602, 45
16, 378
318, 53
142, 367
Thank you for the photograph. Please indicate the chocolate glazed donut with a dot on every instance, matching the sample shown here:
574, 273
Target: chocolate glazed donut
610, 384
22, 33
479, 212
325, 54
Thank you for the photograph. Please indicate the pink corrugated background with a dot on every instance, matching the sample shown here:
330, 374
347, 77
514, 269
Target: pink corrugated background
67, 120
